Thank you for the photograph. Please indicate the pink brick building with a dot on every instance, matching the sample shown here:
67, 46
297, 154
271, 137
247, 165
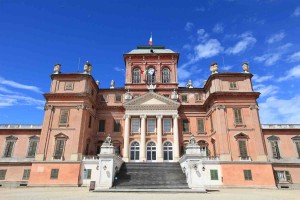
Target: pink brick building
151, 119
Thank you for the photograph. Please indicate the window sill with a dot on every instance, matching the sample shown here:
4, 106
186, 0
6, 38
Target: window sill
239, 125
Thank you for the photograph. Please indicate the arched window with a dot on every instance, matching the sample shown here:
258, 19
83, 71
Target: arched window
166, 75
136, 75
151, 75
168, 151
151, 151
135, 151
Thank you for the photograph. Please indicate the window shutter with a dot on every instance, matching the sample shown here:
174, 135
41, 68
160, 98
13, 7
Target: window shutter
275, 149
243, 149
211, 123
200, 125
32, 148
238, 116
117, 126
214, 174
64, 117
298, 148
2, 174
8, 149
101, 125
59, 148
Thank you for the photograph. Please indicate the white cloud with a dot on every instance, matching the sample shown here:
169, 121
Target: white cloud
5, 90
296, 13
247, 41
188, 26
19, 85
202, 35
294, 57
208, 49
183, 73
266, 90
259, 79
276, 37
276, 110
292, 73
218, 28
12, 100
268, 58
119, 69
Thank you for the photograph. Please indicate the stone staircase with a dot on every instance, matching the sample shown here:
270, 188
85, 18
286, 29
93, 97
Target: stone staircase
150, 176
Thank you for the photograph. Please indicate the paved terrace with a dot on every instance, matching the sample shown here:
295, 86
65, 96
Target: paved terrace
64, 193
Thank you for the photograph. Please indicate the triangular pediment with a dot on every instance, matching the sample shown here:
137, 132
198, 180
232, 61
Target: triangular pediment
151, 100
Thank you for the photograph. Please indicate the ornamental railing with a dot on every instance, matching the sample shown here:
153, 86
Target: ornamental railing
280, 126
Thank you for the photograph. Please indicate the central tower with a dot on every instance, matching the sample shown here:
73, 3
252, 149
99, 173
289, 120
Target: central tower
148, 65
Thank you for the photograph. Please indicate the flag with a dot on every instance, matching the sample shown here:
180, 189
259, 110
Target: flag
150, 40
152, 72
144, 72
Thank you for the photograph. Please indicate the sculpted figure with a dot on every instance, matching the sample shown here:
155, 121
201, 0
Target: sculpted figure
214, 68
108, 140
57, 68
189, 84
87, 69
245, 67
112, 84
192, 140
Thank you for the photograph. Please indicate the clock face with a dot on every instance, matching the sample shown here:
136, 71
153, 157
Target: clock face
151, 71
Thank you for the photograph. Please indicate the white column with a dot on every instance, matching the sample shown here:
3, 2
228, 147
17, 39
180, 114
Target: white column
143, 138
159, 157
176, 137
126, 138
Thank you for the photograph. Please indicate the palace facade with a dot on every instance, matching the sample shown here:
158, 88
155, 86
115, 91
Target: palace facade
151, 119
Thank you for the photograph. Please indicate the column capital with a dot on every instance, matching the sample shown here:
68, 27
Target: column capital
254, 107
143, 116
159, 116
126, 116
175, 116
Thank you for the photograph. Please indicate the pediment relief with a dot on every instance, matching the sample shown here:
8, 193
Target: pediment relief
151, 101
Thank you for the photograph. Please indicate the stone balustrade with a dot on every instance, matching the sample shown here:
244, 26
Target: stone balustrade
20, 126
280, 126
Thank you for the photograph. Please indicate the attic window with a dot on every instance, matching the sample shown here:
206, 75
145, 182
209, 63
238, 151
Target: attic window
69, 86
233, 85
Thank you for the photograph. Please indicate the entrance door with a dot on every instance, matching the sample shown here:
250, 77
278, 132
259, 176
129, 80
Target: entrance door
168, 151
135, 151
151, 151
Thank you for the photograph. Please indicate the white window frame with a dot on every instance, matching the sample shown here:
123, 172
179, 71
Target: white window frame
139, 125
167, 119
151, 120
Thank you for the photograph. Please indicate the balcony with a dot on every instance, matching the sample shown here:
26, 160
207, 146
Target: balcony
90, 157
20, 126
280, 126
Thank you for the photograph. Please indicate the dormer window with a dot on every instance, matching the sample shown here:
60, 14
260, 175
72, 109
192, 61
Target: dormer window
69, 86
233, 85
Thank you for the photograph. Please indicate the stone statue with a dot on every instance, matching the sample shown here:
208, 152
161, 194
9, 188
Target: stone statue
112, 84
192, 140
189, 84
56, 68
214, 68
108, 140
174, 95
128, 96
245, 67
98, 82
87, 69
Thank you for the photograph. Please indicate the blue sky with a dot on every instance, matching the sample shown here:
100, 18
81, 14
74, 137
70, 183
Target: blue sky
37, 34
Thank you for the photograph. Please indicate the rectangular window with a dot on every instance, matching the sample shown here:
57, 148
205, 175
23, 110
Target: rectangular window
283, 176
135, 125
117, 126
167, 125
275, 149
151, 125
90, 121
211, 123
185, 126
184, 98
2, 174
64, 117
118, 98
101, 126
26, 174
87, 173
298, 148
248, 175
243, 149
8, 149
200, 125
214, 174
54, 173
69, 86
238, 117
32, 148
59, 148
232, 85
198, 97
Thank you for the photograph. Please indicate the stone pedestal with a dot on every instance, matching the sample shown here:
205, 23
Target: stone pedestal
109, 165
